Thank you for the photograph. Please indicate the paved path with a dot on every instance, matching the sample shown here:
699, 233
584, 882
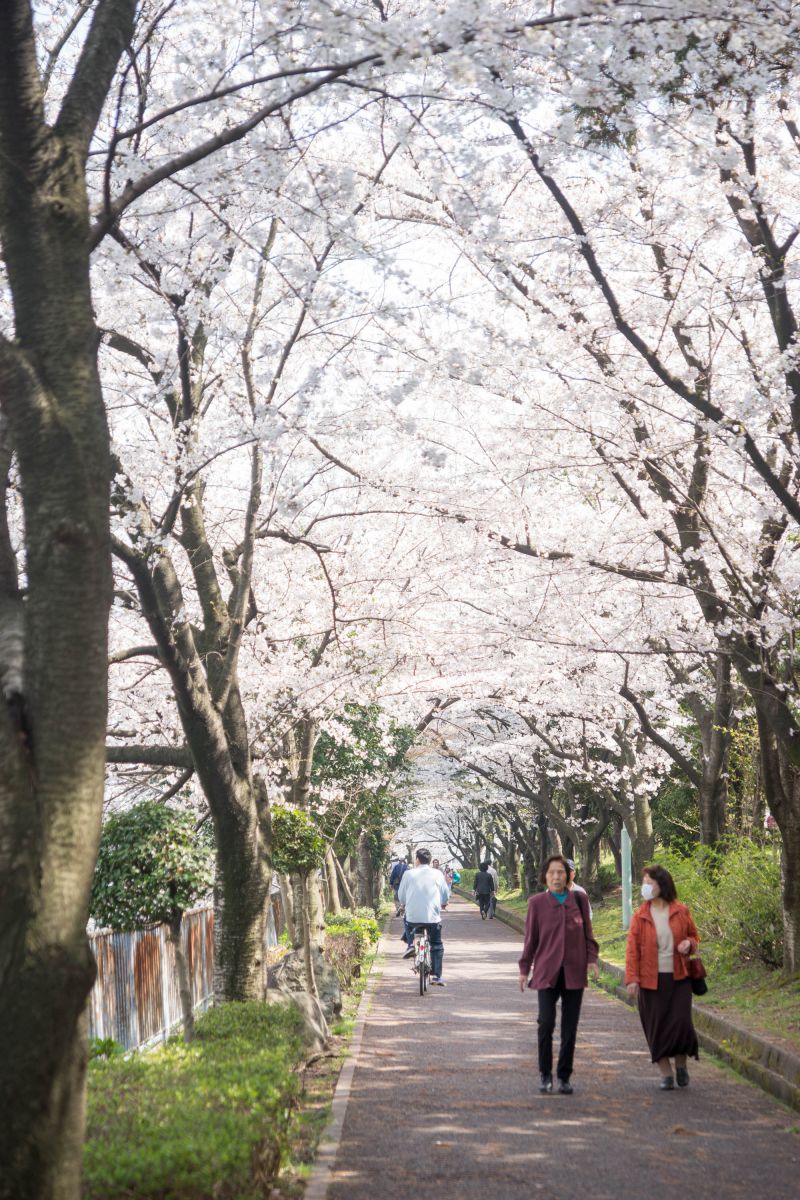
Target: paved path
444, 1096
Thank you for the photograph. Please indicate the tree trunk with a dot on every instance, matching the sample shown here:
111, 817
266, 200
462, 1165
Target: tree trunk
241, 894
52, 722
345, 886
334, 904
287, 902
308, 957
366, 898
639, 823
715, 736
780, 761
175, 938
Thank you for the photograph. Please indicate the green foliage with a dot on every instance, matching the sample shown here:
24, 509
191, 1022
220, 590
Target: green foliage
297, 846
607, 877
362, 765
349, 937
467, 881
152, 865
676, 816
197, 1120
734, 893
104, 1048
361, 924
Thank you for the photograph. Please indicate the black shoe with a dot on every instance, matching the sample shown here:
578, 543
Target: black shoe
565, 1087
681, 1077
667, 1083
483, 915
546, 1084
409, 952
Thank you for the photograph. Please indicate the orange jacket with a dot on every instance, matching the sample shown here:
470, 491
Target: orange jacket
641, 953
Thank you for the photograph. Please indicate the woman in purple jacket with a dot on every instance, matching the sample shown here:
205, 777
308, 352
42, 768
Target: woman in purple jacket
560, 944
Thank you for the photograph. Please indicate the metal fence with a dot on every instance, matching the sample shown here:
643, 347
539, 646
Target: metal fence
135, 997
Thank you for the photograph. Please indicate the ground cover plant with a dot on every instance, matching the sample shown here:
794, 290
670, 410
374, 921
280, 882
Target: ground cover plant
190, 1121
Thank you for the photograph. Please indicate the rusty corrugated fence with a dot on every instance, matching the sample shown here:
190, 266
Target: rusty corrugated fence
135, 998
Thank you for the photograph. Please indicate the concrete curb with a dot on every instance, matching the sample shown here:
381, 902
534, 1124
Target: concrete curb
328, 1148
773, 1069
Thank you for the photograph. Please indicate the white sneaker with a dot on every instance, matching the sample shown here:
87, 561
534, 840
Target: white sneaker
437, 981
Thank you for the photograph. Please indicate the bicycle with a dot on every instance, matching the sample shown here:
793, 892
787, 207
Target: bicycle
422, 959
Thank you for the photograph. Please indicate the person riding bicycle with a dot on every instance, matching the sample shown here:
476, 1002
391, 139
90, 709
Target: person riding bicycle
483, 888
425, 894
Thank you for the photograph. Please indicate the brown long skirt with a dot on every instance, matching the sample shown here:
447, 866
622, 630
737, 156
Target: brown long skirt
666, 1013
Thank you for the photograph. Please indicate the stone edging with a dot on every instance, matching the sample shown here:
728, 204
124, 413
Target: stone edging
773, 1069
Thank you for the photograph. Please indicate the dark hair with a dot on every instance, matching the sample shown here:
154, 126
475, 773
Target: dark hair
424, 857
666, 884
553, 858
484, 866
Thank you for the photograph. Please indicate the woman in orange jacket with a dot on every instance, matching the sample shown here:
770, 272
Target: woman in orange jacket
661, 938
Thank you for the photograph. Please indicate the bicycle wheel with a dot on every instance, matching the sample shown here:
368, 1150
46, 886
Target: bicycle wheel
423, 978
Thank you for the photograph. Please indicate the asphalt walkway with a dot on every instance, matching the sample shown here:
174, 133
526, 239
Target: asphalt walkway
444, 1096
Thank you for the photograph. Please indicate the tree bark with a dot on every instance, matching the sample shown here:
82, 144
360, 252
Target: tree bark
52, 731
334, 903
175, 938
348, 894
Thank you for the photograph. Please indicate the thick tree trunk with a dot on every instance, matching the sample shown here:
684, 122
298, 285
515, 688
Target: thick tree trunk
175, 938
780, 761
334, 902
241, 895
52, 722
639, 823
366, 898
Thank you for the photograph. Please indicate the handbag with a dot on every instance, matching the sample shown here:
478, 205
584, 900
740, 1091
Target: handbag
697, 975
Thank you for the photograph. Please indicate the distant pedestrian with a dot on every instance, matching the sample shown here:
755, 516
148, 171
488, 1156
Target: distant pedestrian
661, 938
483, 890
395, 875
576, 887
560, 945
493, 872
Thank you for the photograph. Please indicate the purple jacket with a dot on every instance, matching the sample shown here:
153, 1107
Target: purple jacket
556, 936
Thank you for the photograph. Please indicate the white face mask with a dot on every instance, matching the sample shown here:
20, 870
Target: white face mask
647, 891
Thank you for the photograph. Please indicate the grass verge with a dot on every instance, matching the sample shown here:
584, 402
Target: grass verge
191, 1121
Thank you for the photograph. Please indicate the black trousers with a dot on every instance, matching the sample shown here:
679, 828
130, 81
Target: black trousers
571, 999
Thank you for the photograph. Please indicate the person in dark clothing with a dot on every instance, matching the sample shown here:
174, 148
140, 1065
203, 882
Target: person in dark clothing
561, 947
395, 875
483, 889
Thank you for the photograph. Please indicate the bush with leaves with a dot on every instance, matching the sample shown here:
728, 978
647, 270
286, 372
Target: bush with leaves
297, 847
152, 865
348, 941
206, 1119
734, 893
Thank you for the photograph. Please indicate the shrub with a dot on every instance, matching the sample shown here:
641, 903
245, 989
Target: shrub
349, 936
735, 896
467, 881
198, 1120
607, 877
360, 925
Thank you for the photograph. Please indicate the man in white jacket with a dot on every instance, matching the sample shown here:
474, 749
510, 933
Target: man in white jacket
425, 893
